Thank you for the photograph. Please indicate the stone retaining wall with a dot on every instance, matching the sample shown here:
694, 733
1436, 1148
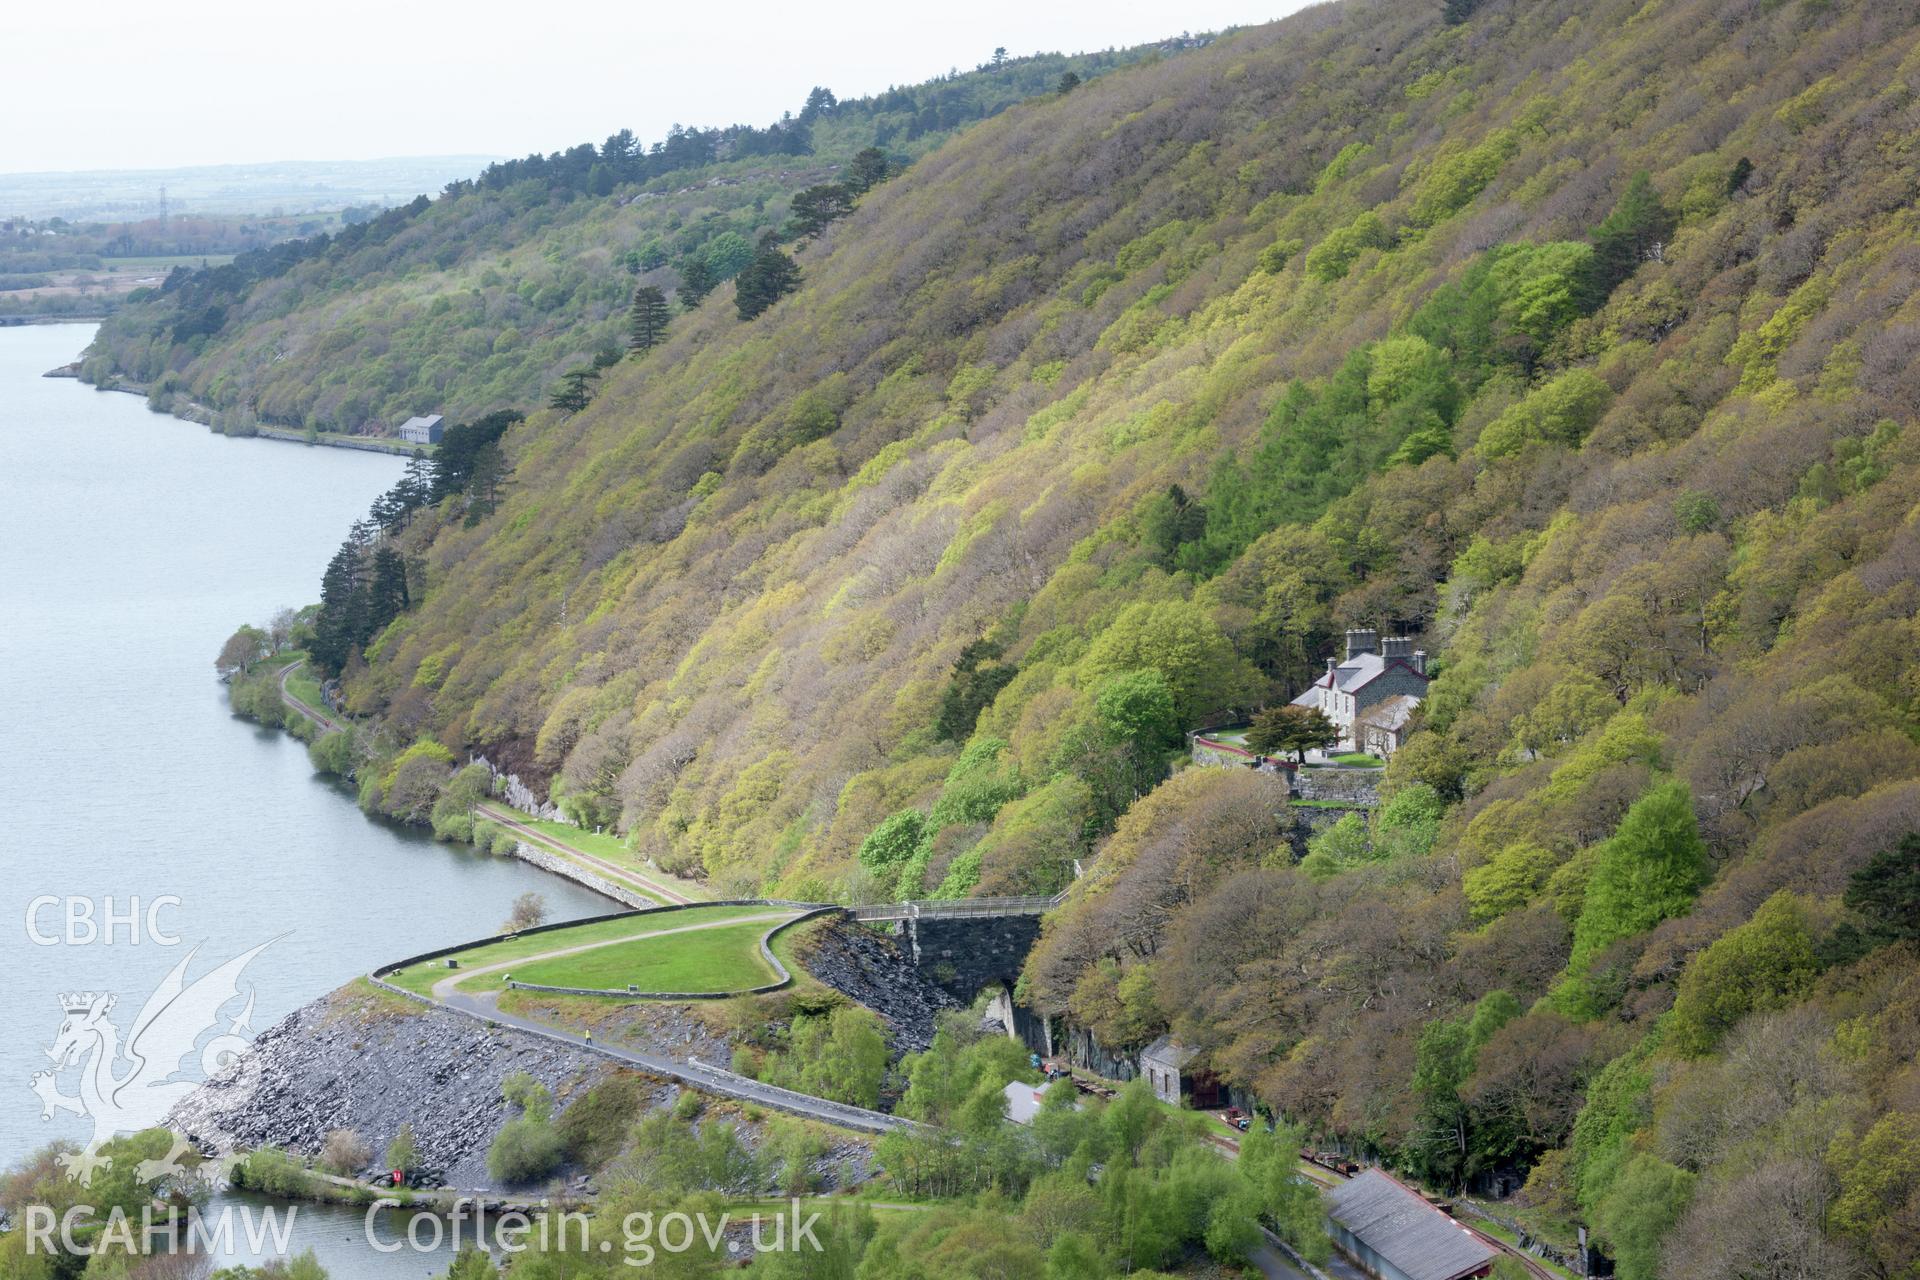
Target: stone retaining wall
567, 869
1357, 787
967, 954
1310, 820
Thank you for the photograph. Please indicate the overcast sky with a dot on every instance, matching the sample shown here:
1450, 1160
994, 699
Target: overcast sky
138, 84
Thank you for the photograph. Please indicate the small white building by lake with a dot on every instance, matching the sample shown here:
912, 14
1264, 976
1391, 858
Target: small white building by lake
422, 430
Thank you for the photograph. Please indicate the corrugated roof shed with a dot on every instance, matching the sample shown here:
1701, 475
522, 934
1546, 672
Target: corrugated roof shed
1392, 1220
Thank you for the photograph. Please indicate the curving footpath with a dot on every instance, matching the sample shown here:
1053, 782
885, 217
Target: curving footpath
292, 703
445, 990
484, 1007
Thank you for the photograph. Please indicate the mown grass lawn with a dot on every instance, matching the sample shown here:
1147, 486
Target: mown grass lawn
726, 958
1358, 758
421, 977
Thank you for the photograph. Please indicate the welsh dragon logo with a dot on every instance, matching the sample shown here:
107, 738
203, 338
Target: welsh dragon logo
127, 1087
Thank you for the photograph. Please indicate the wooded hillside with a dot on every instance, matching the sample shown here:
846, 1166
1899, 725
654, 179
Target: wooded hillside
1578, 338
480, 300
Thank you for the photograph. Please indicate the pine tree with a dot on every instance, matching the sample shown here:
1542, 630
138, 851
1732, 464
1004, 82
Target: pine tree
867, 170
342, 608
1068, 82
816, 206
1632, 233
416, 483
647, 318
575, 391
768, 278
387, 595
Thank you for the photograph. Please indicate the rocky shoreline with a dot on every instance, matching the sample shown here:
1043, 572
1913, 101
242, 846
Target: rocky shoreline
365, 1060
361, 1060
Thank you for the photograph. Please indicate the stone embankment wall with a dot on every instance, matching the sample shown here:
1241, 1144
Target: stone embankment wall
1310, 820
559, 866
967, 954
361, 1060
1358, 788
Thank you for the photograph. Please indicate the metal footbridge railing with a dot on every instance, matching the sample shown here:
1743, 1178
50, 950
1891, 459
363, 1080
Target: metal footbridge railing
958, 908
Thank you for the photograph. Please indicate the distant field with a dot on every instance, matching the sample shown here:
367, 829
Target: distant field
168, 264
421, 977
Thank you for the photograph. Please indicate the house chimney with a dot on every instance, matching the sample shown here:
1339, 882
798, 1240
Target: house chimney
1420, 661
1396, 647
1359, 642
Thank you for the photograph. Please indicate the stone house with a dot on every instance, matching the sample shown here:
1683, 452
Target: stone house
1373, 671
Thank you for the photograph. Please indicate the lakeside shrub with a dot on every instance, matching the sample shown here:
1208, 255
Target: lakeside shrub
345, 1153
272, 1171
529, 1146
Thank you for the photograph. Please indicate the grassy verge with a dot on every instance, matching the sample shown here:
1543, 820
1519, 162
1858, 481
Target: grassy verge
1499, 1232
719, 959
303, 685
600, 845
421, 977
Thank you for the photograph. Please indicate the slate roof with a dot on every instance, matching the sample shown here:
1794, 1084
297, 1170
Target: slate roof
1389, 713
1167, 1052
1355, 673
430, 421
1391, 1219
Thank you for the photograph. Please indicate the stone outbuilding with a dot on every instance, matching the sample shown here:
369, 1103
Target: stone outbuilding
1390, 1231
1167, 1065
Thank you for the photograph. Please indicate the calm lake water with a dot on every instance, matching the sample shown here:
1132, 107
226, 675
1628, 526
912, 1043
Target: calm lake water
131, 545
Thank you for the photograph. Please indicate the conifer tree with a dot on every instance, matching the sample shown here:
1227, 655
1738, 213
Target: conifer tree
575, 391
768, 278
1632, 233
386, 591
867, 170
817, 206
647, 318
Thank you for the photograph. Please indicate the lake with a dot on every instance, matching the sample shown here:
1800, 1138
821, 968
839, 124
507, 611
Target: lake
131, 545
